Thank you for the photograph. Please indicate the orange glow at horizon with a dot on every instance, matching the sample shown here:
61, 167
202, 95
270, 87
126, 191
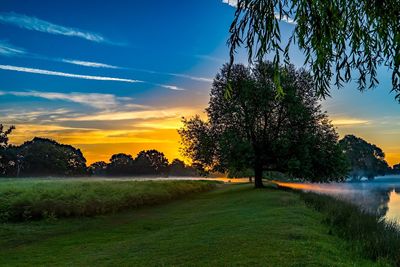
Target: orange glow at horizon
157, 133
100, 145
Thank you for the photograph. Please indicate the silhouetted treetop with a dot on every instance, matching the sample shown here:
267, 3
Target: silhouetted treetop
42, 156
4, 135
366, 160
151, 162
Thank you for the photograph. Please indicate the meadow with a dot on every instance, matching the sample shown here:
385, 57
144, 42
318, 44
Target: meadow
233, 225
35, 199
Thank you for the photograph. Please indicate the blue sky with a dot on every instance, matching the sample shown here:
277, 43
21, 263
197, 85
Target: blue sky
116, 76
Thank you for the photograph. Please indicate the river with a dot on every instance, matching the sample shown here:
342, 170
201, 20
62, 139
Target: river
382, 195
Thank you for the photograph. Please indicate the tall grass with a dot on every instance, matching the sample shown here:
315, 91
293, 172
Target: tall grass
370, 234
33, 200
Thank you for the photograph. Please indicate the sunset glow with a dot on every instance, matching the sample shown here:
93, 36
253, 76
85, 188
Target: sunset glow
108, 88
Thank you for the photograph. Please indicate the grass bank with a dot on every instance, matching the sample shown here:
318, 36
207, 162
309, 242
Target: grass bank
30, 199
234, 225
369, 234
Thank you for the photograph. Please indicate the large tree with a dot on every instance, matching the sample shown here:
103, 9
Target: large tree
339, 38
151, 162
251, 127
366, 160
120, 164
42, 156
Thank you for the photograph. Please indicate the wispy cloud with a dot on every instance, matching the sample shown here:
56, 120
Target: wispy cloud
7, 49
234, 3
64, 74
194, 78
119, 115
89, 64
35, 24
99, 101
171, 87
349, 121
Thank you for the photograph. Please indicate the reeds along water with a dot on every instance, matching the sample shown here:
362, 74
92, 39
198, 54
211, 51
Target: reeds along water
380, 196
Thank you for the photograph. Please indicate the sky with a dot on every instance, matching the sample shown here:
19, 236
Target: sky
118, 76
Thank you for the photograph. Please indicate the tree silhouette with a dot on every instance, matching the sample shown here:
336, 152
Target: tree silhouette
396, 168
6, 158
179, 168
4, 135
98, 168
42, 156
366, 160
120, 164
151, 162
253, 128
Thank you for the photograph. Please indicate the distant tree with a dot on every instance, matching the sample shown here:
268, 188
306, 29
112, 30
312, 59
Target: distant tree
366, 160
340, 39
151, 162
98, 168
4, 135
249, 127
179, 168
120, 164
396, 168
6, 159
42, 156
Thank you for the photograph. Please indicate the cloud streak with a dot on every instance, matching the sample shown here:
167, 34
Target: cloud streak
99, 101
7, 49
64, 74
35, 24
349, 122
121, 115
171, 87
89, 64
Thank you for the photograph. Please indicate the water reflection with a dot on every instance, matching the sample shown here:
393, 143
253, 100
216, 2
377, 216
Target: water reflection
381, 196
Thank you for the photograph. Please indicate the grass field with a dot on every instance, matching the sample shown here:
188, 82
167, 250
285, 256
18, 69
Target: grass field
231, 226
34, 199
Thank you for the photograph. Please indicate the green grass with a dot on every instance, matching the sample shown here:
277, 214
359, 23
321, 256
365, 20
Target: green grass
234, 225
30, 199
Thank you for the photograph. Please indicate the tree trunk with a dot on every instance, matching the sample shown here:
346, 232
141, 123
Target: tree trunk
258, 175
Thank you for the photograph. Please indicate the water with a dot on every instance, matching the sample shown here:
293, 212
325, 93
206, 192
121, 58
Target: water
381, 196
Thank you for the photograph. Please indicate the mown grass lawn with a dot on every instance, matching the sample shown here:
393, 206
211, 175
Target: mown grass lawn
230, 226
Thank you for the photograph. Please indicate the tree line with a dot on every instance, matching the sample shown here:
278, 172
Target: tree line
46, 157
250, 130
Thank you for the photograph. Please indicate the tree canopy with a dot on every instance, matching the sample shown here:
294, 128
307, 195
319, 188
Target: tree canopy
42, 156
151, 162
5, 155
366, 160
339, 39
4, 135
252, 128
